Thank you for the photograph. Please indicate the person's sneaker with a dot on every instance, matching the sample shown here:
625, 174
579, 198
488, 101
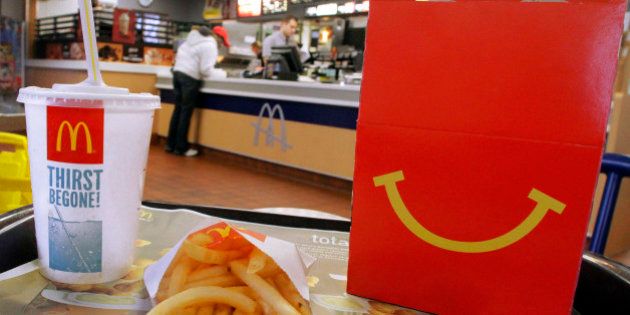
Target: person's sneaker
168, 149
191, 153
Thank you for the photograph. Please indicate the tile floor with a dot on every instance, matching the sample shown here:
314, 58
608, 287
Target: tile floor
208, 181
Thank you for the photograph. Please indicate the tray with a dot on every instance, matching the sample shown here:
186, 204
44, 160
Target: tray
603, 284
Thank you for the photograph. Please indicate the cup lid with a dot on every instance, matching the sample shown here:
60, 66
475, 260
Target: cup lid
70, 93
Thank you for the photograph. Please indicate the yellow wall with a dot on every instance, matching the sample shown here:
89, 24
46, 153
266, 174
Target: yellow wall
619, 142
322, 149
135, 82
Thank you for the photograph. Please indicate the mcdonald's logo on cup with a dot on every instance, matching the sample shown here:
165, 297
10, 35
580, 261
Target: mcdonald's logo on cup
75, 135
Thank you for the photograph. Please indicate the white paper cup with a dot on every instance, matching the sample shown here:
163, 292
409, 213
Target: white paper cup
88, 150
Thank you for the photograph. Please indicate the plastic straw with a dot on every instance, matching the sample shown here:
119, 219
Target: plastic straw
89, 43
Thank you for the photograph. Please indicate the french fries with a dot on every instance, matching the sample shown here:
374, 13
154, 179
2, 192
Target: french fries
205, 295
208, 272
221, 281
217, 271
257, 261
180, 275
283, 283
189, 311
266, 291
206, 310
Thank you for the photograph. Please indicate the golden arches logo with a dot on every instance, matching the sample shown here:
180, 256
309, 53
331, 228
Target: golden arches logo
544, 203
74, 133
224, 231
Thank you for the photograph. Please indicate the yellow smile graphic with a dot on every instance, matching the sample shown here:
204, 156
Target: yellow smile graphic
544, 203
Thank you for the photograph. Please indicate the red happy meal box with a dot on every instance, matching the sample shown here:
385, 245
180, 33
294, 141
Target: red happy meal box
478, 149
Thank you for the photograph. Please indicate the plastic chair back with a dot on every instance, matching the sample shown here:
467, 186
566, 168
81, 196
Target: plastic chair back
616, 167
15, 184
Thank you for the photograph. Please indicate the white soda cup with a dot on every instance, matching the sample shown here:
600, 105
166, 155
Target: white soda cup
88, 148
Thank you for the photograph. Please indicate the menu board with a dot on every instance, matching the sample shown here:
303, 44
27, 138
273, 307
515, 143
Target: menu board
362, 6
346, 8
322, 9
249, 8
274, 6
327, 8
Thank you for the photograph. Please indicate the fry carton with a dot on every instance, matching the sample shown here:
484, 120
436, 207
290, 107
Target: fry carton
479, 143
224, 268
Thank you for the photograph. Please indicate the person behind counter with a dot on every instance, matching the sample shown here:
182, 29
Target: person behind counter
255, 67
282, 37
195, 61
257, 50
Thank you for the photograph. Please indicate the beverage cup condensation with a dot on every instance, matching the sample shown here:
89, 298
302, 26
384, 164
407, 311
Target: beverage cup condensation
88, 149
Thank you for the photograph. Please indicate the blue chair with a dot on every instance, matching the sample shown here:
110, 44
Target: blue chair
616, 167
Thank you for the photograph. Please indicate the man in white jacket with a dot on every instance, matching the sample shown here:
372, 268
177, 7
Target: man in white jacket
194, 62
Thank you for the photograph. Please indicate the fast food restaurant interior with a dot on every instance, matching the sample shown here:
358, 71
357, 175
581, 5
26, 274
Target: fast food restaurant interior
254, 109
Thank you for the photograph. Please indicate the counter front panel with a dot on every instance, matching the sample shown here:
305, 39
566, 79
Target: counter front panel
313, 137
317, 114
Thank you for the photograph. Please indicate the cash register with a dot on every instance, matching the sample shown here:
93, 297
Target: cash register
283, 64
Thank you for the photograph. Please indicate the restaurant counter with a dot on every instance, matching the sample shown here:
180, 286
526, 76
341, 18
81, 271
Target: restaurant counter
313, 128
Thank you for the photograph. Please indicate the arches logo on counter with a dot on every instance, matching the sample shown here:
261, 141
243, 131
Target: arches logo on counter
270, 137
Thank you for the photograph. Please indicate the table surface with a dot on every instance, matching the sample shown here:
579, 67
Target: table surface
162, 226
17, 237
